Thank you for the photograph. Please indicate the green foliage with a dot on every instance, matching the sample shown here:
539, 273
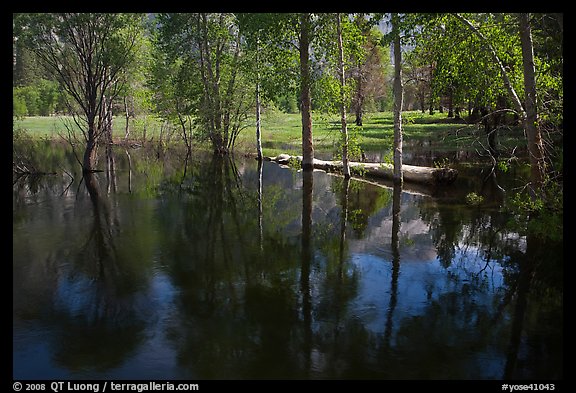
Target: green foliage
388, 158
30, 97
19, 109
541, 216
88, 54
443, 163
358, 170
354, 146
199, 71
42, 98
541, 213
288, 103
48, 92
503, 165
474, 199
294, 163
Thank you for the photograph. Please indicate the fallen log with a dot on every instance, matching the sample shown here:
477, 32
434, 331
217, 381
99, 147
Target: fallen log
411, 173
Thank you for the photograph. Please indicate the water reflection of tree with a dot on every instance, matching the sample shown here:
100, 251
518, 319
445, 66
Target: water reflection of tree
307, 258
534, 299
235, 307
363, 201
486, 234
103, 314
395, 244
281, 307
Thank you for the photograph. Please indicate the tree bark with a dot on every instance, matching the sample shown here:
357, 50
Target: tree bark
346, 167
535, 145
89, 159
305, 98
127, 114
258, 121
398, 101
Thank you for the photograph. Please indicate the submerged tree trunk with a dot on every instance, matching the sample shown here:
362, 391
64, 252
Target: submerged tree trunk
398, 101
305, 97
345, 165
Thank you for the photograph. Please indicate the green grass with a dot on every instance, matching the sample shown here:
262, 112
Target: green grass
282, 133
54, 126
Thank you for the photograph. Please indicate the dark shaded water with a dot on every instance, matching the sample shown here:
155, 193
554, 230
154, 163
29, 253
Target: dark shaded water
221, 269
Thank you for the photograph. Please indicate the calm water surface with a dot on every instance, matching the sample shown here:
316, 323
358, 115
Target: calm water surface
221, 269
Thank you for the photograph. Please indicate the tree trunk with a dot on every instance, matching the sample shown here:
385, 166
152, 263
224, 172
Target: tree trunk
345, 165
359, 101
450, 104
89, 161
410, 173
305, 98
258, 120
127, 127
489, 130
535, 145
398, 100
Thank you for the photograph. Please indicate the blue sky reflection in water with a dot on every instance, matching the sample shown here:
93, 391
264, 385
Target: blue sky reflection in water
172, 274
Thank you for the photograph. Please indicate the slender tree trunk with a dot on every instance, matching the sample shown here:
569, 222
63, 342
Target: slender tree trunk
359, 101
422, 98
258, 121
127, 112
450, 103
535, 145
305, 98
398, 101
345, 165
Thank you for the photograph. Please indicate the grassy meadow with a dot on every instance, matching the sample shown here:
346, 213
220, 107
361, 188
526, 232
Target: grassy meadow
281, 132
